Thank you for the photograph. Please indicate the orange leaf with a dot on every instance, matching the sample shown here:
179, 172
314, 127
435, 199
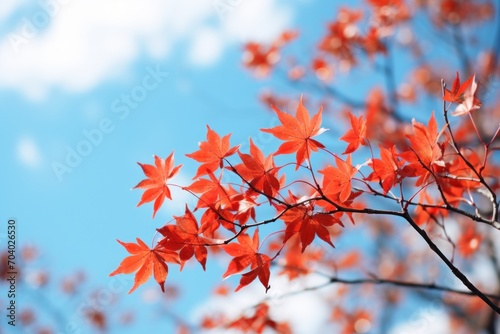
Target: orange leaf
146, 261
301, 220
260, 172
297, 133
425, 152
338, 180
464, 95
245, 254
186, 233
156, 183
355, 136
386, 170
212, 153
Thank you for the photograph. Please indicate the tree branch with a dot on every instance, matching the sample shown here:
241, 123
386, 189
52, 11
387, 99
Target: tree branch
450, 265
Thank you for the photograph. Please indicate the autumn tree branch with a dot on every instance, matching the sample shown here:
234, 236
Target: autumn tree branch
449, 264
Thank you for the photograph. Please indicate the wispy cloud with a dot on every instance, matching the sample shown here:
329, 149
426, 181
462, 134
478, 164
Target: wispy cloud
80, 44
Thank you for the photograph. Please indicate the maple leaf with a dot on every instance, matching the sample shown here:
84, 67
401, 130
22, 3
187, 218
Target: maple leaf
259, 322
212, 153
464, 95
245, 253
213, 192
459, 177
338, 180
156, 183
146, 261
355, 136
387, 169
261, 58
297, 132
425, 152
469, 102
455, 94
343, 36
219, 200
187, 233
258, 171
302, 220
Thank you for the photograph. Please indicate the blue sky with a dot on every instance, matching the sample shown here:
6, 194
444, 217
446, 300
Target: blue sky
69, 79
65, 80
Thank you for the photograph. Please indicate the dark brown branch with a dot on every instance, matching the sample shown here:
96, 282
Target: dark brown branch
384, 281
459, 44
390, 81
450, 265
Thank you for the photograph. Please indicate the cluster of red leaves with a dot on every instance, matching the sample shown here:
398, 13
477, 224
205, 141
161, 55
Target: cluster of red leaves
259, 322
145, 261
344, 37
425, 159
156, 182
459, 11
359, 321
262, 58
464, 94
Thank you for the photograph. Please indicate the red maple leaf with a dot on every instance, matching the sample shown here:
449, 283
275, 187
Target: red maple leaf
425, 151
156, 183
259, 322
343, 35
297, 132
213, 192
219, 200
464, 95
146, 261
386, 170
308, 225
258, 171
355, 136
187, 234
338, 180
245, 253
212, 153
262, 58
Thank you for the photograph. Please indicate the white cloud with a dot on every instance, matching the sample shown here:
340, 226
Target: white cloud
306, 312
83, 43
426, 321
28, 153
206, 48
260, 20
